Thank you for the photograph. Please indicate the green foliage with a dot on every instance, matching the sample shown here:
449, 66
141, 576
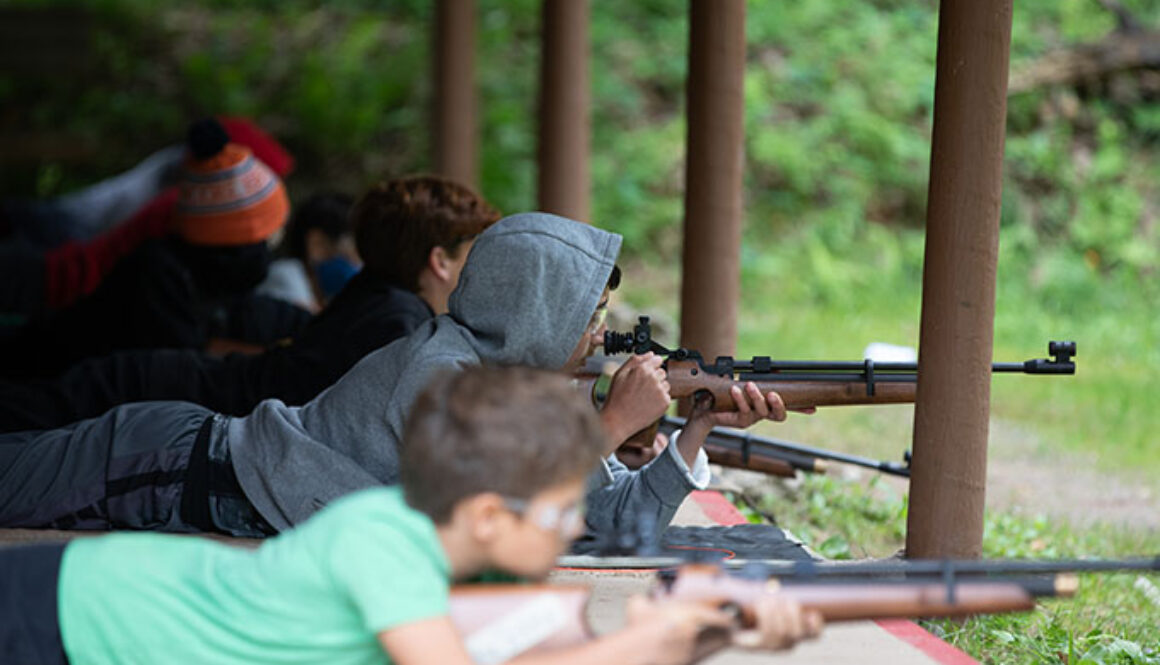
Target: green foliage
840, 520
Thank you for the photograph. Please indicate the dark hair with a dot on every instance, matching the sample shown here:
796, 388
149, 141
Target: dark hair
511, 430
328, 212
398, 223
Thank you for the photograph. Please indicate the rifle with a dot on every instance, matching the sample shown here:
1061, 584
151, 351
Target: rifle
804, 384
800, 384
739, 449
501, 621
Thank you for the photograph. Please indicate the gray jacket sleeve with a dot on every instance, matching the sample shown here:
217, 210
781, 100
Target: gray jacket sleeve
641, 503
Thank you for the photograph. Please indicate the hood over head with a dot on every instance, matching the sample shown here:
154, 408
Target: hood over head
529, 287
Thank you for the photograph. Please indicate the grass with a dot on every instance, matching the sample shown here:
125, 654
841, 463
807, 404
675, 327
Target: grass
1112, 619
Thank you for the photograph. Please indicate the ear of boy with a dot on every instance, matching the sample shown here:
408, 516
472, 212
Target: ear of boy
486, 517
484, 534
438, 278
439, 262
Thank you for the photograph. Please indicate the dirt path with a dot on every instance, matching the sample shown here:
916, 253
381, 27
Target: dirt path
1026, 475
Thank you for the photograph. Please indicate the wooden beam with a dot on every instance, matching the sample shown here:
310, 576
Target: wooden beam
456, 134
564, 110
711, 277
952, 410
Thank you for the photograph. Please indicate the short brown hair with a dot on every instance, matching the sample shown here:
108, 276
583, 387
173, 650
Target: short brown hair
398, 222
511, 430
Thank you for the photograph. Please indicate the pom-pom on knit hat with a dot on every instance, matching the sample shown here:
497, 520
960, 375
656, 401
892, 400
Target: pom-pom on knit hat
228, 197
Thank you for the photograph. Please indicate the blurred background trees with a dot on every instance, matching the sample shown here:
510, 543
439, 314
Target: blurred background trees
838, 108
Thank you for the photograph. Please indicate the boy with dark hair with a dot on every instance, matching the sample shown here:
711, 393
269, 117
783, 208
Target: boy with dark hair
425, 223
531, 293
493, 469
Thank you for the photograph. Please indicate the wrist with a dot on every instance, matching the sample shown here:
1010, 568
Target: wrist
648, 641
699, 425
613, 426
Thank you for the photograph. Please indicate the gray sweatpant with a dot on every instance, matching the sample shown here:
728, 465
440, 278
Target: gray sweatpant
123, 470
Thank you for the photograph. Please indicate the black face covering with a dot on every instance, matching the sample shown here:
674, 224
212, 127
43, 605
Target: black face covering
225, 271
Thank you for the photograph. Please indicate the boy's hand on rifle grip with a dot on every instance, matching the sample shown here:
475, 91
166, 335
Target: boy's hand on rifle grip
669, 629
781, 623
752, 406
638, 397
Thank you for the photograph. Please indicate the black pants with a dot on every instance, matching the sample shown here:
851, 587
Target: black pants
29, 627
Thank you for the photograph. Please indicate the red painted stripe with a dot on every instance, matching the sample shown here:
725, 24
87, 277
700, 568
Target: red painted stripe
607, 570
717, 508
918, 637
729, 554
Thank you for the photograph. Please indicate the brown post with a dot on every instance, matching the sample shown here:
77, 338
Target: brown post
711, 276
455, 134
564, 102
949, 467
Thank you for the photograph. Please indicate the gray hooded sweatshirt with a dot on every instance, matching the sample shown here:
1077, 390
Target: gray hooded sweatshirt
525, 296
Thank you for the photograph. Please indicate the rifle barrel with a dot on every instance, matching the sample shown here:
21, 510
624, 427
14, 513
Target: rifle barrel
800, 456
640, 341
806, 570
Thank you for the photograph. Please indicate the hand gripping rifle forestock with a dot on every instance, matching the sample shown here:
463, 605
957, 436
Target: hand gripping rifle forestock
803, 384
499, 622
717, 452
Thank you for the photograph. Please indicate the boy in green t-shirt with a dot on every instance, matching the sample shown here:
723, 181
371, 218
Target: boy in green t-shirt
494, 464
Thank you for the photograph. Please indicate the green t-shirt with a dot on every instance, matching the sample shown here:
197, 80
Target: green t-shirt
317, 594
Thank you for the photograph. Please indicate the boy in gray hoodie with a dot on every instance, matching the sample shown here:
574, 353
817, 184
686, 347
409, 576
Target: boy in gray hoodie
528, 295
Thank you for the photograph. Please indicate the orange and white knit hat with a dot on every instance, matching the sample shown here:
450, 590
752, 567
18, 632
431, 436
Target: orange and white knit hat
228, 197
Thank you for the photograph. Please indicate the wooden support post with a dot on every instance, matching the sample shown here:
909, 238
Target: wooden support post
564, 102
949, 467
711, 274
456, 135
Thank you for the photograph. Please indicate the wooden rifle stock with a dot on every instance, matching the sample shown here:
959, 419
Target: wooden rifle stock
735, 459
870, 599
687, 379
550, 617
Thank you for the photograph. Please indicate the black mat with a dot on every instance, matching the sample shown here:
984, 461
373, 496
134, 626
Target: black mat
708, 544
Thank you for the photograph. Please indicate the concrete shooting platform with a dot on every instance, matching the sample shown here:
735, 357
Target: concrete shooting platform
886, 642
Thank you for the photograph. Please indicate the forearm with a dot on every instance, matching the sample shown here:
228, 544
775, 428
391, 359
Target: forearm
644, 500
614, 427
691, 440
